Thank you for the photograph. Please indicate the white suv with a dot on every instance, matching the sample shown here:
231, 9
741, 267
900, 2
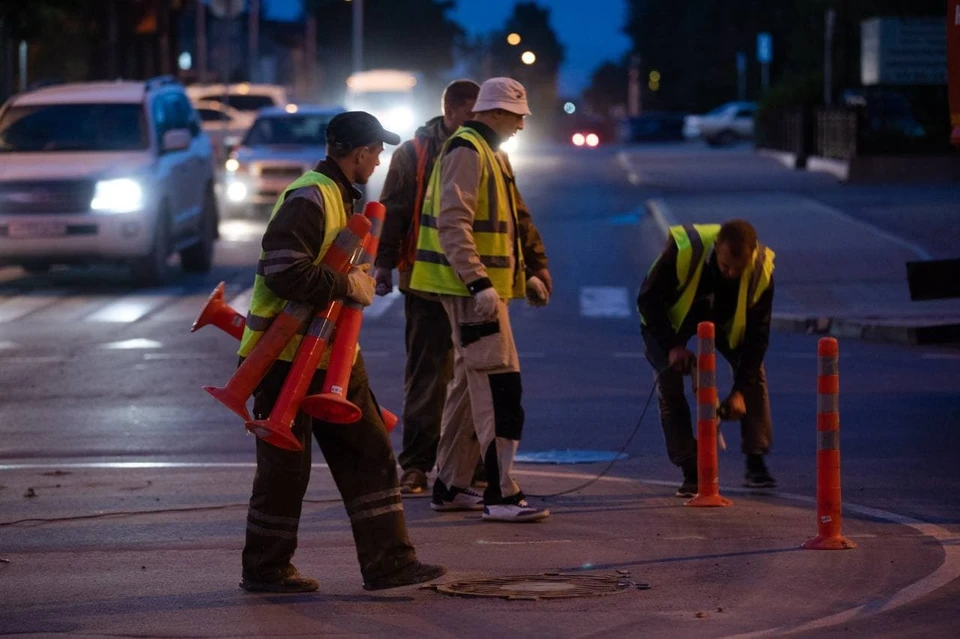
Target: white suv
106, 172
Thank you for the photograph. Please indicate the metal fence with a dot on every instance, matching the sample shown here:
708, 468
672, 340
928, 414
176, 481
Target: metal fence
836, 133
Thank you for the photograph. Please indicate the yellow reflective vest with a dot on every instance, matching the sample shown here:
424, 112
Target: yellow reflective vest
695, 242
265, 304
495, 213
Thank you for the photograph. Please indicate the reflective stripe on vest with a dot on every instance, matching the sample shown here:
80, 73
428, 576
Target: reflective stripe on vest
265, 304
695, 242
496, 210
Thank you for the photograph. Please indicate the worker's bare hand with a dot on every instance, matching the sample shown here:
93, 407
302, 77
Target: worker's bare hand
384, 278
734, 406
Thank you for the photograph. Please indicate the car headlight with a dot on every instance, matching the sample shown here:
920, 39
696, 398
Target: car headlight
123, 195
236, 191
399, 119
232, 165
509, 145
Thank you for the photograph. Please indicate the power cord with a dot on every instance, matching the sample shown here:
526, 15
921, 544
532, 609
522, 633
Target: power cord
616, 457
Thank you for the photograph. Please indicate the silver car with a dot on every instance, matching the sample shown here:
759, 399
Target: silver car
281, 145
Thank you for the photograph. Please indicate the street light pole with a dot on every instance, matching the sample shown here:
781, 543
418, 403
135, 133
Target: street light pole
201, 40
357, 35
253, 42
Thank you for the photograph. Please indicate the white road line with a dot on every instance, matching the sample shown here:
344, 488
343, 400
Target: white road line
381, 304
131, 344
131, 308
604, 301
22, 305
36, 359
241, 302
8, 346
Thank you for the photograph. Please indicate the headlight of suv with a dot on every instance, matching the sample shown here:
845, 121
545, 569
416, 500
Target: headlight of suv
122, 195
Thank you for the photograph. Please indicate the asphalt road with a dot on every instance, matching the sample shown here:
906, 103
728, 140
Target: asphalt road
95, 370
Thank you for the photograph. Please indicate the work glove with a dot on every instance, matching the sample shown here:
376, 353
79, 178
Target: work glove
682, 359
537, 292
384, 278
486, 302
360, 285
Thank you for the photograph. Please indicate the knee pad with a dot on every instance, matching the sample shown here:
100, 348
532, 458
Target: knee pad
507, 390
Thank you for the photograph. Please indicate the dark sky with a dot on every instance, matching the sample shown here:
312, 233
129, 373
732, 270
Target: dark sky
589, 29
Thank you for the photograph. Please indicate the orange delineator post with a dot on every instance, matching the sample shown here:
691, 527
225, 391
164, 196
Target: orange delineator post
331, 404
215, 311
285, 326
708, 423
277, 429
829, 507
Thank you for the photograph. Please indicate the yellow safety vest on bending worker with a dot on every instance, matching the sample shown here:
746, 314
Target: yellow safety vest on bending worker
695, 242
432, 272
265, 305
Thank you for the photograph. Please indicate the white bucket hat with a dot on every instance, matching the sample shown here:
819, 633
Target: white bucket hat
502, 93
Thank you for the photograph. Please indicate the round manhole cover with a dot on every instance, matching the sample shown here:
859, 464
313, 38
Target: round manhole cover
569, 456
545, 586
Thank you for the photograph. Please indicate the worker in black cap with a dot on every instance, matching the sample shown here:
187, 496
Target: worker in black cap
305, 220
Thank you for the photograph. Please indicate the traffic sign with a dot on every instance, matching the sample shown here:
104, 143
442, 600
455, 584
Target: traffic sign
764, 48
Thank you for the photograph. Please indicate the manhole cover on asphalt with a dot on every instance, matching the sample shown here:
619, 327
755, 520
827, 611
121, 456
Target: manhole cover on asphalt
545, 586
569, 456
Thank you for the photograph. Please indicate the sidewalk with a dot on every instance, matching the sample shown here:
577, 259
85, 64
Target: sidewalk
172, 569
834, 273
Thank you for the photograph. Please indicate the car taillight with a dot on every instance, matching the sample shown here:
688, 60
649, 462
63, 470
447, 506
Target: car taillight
578, 139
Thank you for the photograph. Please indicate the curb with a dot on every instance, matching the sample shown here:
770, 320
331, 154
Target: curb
908, 333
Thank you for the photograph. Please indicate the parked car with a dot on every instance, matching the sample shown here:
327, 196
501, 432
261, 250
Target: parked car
224, 125
724, 125
244, 97
279, 147
653, 127
106, 172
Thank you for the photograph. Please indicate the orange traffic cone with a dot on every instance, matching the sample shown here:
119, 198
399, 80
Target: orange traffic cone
332, 404
285, 326
215, 311
829, 505
708, 423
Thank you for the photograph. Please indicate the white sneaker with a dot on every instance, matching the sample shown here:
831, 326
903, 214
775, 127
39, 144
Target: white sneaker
514, 512
456, 499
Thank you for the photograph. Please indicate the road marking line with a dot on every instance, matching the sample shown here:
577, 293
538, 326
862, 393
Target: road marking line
241, 302
604, 301
8, 346
131, 308
381, 304
132, 344
36, 359
22, 305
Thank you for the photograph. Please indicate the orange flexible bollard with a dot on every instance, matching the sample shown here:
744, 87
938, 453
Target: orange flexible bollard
277, 429
284, 327
708, 422
829, 507
215, 311
331, 404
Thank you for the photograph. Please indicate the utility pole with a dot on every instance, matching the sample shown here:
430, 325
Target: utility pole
253, 49
633, 87
829, 26
201, 40
310, 53
357, 35
23, 65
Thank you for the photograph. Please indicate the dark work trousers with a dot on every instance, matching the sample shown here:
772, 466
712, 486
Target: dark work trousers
755, 427
363, 466
429, 369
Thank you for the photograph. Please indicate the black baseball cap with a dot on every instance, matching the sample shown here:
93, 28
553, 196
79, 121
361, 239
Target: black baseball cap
353, 129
